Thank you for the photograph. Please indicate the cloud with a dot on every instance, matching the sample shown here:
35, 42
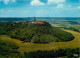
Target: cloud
56, 1
13, 0
78, 7
37, 3
60, 6
7, 1
63, 6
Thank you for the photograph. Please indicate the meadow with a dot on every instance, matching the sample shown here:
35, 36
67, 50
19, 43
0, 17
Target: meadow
28, 47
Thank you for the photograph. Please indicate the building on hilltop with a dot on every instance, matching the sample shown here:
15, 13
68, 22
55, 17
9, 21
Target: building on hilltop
36, 22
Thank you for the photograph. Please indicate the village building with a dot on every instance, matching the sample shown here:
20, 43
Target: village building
36, 22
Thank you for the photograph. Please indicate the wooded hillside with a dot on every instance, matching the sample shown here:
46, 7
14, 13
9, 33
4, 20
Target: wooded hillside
36, 33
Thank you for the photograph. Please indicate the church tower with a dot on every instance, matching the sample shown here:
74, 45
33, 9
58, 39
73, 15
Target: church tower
36, 22
34, 18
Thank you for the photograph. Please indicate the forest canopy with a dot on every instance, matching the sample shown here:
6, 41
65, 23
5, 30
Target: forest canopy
35, 33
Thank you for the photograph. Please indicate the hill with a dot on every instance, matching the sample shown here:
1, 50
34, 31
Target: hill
35, 33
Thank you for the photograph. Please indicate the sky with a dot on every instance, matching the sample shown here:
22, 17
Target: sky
40, 8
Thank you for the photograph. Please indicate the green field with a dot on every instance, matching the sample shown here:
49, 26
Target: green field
28, 47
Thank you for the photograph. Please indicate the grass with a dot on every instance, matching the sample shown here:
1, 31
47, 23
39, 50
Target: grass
27, 47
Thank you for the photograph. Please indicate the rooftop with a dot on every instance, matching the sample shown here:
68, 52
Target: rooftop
38, 22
